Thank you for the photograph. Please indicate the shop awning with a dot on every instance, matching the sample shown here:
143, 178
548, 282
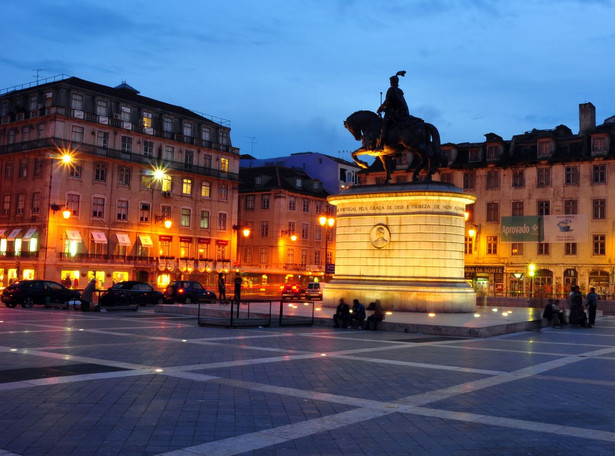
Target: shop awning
14, 234
30, 233
165, 238
221, 242
203, 240
99, 237
145, 240
2, 233
73, 235
122, 239
185, 239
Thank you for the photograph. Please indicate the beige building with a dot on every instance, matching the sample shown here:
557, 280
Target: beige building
149, 190
282, 208
545, 209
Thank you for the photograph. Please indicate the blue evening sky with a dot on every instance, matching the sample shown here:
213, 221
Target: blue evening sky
286, 73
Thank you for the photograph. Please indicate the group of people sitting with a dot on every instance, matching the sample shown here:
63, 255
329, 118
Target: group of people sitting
345, 317
557, 316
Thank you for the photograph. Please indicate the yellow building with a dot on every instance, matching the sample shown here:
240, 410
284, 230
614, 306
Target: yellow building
103, 182
545, 209
287, 241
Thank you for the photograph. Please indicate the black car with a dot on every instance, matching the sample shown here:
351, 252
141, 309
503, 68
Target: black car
129, 293
188, 292
30, 292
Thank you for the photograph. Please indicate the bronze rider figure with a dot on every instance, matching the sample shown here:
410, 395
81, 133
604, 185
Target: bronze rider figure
394, 107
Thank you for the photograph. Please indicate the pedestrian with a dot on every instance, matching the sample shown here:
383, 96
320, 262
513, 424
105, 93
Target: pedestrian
237, 282
221, 288
575, 303
358, 314
76, 283
591, 301
376, 317
87, 295
67, 282
342, 315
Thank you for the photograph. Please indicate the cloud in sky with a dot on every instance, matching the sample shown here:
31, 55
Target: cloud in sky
287, 73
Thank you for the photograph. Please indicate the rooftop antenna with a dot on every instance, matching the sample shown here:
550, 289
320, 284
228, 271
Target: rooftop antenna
37, 72
252, 142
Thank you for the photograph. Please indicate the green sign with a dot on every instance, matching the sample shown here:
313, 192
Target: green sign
522, 229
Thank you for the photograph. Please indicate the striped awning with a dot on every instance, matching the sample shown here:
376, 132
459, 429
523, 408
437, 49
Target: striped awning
146, 240
14, 234
122, 239
73, 235
30, 233
99, 237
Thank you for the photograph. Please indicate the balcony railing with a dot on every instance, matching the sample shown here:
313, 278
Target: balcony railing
104, 258
18, 254
117, 123
116, 154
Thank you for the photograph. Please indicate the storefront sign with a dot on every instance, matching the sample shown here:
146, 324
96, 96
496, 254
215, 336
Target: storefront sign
484, 269
521, 229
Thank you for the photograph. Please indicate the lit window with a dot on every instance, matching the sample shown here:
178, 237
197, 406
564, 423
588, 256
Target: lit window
187, 186
205, 190
185, 217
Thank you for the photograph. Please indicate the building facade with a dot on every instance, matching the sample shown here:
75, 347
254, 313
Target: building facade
282, 208
149, 190
334, 173
545, 209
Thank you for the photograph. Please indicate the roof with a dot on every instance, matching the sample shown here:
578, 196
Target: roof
268, 178
125, 92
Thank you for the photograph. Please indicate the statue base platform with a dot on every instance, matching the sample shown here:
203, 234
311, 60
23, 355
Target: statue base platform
404, 245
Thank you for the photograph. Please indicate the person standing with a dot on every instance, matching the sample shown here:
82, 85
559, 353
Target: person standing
86, 296
575, 303
237, 291
591, 301
221, 288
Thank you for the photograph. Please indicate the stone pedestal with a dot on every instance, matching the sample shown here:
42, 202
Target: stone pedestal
402, 244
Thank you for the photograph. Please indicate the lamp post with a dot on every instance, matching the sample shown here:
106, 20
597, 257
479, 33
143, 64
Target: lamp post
245, 232
65, 159
327, 222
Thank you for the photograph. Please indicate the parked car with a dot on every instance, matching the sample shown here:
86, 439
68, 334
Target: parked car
30, 292
131, 292
188, 292
314, 290
292, 291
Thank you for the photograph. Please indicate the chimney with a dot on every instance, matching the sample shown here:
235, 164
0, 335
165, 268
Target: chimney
587, 117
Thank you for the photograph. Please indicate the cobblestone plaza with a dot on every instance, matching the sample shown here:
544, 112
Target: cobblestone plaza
144, 383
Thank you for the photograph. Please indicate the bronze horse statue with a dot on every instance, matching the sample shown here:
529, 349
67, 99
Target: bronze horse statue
417, 137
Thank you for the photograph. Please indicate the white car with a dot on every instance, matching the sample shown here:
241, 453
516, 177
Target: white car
314, 290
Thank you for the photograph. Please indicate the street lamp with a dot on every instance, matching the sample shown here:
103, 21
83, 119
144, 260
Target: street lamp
245, 232
64, 159
291, 234
327, 222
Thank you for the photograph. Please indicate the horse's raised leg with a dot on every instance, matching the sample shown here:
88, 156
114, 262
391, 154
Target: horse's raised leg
361, 163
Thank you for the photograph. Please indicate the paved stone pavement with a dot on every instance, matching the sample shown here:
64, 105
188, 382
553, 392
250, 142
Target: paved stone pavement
144, 383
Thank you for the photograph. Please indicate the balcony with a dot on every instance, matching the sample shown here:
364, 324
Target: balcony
47, 143
104, 258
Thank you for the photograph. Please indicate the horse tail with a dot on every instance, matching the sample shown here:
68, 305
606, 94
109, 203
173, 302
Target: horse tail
436, 146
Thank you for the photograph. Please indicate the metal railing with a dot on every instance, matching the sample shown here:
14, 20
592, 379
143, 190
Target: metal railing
115, 154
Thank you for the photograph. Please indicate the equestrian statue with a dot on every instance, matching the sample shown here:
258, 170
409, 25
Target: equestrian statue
398, 133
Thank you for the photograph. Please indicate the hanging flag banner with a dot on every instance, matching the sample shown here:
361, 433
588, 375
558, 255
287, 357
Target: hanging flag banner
565, 228
521, 229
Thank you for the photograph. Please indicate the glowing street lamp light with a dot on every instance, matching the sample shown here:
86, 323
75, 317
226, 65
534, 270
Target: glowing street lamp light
327, 222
